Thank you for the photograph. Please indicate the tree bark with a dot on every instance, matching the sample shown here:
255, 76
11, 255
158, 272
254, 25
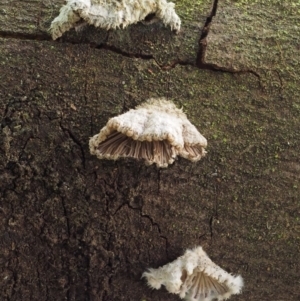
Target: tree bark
77, 228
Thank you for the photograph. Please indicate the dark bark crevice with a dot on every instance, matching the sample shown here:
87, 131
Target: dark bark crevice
201, 63
200, 60
77, 142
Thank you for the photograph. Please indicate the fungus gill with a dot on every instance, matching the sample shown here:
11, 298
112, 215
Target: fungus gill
155, 131
194, 277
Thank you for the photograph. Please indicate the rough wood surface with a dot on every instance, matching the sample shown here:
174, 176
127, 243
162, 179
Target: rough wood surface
73, 227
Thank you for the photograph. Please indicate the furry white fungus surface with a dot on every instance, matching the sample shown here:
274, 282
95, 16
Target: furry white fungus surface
156, 131
195, 277
112, 14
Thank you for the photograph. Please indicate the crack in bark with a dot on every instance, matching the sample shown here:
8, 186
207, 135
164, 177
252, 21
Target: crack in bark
200, 63
142, 56
153, 224
25, 36
142, 215
66, 216
204, 34
103, 45
200, 60
124, 53
77, 142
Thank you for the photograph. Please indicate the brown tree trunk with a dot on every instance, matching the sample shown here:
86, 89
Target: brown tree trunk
73, 227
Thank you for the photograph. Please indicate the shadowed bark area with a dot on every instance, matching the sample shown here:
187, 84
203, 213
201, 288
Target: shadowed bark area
73, 227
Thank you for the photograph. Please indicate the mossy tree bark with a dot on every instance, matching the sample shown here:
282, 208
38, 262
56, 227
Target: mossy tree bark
77, 228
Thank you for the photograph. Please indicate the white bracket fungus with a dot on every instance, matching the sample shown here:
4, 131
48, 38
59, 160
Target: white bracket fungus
156, 131
112, 14
195, 277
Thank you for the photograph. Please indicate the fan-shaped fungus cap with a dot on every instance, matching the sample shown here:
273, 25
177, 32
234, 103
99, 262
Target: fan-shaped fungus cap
112, 14
156, 131
195, 277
